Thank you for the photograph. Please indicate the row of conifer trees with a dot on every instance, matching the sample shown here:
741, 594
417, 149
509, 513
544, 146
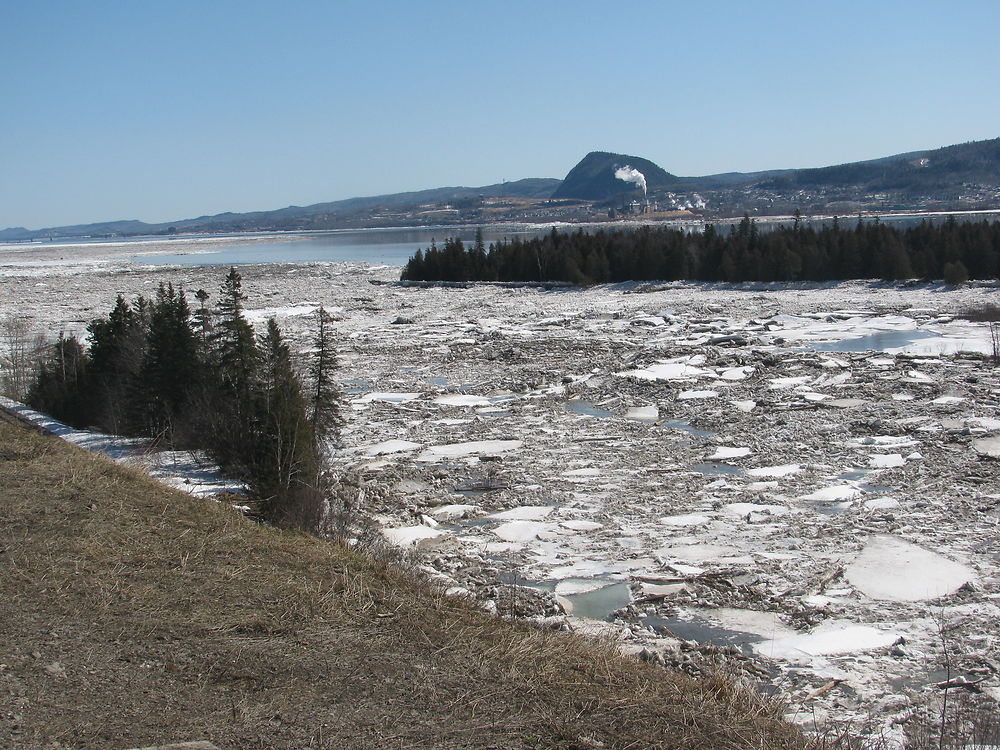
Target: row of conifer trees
950, 250
203, 379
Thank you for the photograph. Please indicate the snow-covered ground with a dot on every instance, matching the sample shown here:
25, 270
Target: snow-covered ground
183, 470
685, 460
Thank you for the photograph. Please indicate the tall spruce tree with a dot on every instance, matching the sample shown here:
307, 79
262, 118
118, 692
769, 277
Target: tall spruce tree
325, 397
285, 464
231, 429
170, 370
117, 351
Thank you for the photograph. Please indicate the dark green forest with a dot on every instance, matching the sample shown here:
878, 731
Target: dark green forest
952, 251
203, 379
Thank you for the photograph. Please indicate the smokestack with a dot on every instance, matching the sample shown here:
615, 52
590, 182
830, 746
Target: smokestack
630, 174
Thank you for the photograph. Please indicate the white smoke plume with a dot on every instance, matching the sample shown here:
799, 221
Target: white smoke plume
630, 174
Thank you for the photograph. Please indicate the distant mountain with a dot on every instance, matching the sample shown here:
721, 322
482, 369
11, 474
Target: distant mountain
594, 177
349, 212
917, 172
964, 176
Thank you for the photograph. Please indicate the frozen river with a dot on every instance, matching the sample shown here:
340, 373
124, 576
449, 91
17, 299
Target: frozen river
732, 465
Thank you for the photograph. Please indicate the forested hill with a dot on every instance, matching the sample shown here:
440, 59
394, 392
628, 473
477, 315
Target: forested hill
593, 178
951, 251
918, 172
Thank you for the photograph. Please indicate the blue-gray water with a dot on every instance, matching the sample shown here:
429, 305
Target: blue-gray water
875, 342
391, 247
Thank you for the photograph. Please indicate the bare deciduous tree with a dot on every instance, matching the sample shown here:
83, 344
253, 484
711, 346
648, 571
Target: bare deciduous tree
21, 349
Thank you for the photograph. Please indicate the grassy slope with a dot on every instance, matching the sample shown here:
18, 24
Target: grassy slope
131, 614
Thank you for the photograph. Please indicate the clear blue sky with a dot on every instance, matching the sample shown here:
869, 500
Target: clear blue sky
168, 110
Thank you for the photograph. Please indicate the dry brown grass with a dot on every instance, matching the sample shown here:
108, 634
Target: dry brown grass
131, 615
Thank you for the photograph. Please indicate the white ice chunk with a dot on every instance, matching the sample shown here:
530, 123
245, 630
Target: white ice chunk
736, 373
389, 446
408, 536
524, 513
746, 406
836, 492
896, 570
775, 472
989, 446
811, 396
672, 369
391, 398
460, 399
948, 400
987, 423
643, 413
459, 450
581, 525
453, 512
521, 531
697, 552
742, 510
887, 461
687, 519
781, 383
688, 395
881, 503
572, 586
726, 452
829, 639
882, 441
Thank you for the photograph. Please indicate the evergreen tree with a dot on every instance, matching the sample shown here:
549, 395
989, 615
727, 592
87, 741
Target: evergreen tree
325, 397
285, 463
117, 350
170, 371
234, 359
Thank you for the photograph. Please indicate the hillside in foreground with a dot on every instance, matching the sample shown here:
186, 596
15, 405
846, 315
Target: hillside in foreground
135, 615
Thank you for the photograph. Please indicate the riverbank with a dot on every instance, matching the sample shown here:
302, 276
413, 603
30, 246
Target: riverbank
136, 615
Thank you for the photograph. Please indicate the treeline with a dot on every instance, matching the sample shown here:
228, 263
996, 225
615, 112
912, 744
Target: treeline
953, 251
202, 379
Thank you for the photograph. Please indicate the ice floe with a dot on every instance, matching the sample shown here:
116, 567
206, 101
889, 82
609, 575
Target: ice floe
828, 639
893, 569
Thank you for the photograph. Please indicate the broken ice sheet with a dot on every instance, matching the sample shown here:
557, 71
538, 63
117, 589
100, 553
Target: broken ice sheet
831, 638
726, 452
409, 536
893, 569
461, 450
